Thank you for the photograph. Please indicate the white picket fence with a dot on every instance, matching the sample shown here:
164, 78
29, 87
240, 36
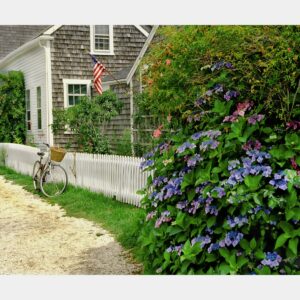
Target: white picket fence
112, 175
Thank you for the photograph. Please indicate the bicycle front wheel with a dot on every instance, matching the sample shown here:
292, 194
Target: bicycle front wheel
36, 174
54, 180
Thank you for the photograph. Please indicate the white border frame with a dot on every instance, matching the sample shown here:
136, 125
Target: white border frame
111, 42
88, 82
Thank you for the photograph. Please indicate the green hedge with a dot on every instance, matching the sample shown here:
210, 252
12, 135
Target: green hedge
12, 108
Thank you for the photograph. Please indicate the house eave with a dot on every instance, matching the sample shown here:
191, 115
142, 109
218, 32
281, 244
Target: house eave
24, 49
141, 55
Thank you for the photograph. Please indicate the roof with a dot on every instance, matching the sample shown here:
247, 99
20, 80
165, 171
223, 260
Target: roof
14, 36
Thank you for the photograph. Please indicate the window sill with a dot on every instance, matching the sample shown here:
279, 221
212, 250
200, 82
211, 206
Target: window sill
102, 53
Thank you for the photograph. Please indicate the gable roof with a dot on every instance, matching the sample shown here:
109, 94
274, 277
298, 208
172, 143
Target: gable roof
14, 36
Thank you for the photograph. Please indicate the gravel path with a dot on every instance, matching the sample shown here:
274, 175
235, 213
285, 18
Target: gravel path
37, 238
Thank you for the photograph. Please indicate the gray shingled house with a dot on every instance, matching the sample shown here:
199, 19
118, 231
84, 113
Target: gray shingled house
58, 70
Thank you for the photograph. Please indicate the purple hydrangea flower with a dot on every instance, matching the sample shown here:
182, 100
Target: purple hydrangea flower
182, 204
211, 209
164, 217
194, 206
150, 215
252, 145
221, 64
272, 259
194, 160
199, 102
255, 118
233, 164
233, 238
148, 155
184, 146
231, 94
200, 188
177, 249
184, 171
258, 156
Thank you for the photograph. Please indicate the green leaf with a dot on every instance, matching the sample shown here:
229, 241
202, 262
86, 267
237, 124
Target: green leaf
211, 221
242, 261
293, 245
211, 257
245, 244
259, 254
219, 107
224, 268
253, 182
281, 153
281, 240
172, 230
253, 244
289, 214
224, 252
191, 194
287, 228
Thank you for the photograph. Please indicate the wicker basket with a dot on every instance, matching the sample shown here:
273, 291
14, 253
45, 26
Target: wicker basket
57, 154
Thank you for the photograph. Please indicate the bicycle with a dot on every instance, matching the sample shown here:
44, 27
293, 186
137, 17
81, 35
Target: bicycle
49, 177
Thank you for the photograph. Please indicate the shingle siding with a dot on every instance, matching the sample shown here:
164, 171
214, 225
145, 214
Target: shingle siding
70, 60
14, 36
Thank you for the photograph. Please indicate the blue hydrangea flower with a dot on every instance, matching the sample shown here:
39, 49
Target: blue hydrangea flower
145, 164
233, 238
148, 155
220, 191
211, 209
203, 240
213, 247
194, 206
200, 188
272, 259
158, 181
184, 146
177, 249
199, 102
237, 221
233, 164
210, 144
280, 181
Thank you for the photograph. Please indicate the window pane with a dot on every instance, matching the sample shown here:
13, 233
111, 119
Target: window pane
102, 29
76, 89
38, 97
83, 89
28, 125
70, 89
39, 119
76, 99
71, 101
28, 115
28, 99
101, 43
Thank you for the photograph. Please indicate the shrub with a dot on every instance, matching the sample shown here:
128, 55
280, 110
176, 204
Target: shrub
265, 58
12, 108
123, 146
224, 194
86, 121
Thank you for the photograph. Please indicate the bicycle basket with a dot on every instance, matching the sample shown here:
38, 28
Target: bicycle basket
57, 154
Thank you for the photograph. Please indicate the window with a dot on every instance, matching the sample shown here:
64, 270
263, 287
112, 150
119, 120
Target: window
39, 107
75, 89
28, 113
102, 39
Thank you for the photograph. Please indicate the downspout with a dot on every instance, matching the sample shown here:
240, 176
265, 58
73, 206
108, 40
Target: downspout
131, 117
48, 75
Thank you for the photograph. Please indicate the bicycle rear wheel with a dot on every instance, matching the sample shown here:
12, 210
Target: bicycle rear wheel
54, 180
36, 175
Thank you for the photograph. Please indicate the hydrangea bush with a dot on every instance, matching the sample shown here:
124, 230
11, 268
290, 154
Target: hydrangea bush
223, 194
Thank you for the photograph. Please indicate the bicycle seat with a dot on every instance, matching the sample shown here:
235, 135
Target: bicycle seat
41, 153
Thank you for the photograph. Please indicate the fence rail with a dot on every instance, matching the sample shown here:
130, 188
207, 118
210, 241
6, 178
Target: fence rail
112, 175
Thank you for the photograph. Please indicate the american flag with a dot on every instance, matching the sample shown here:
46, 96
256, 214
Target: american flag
98, 71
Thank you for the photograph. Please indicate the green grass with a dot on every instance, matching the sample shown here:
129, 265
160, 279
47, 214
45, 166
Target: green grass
122, 220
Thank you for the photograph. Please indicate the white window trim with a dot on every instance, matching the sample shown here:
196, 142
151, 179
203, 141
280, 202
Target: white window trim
28, 110
66, 82
111, 42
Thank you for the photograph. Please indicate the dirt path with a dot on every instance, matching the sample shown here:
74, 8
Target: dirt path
37, 238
